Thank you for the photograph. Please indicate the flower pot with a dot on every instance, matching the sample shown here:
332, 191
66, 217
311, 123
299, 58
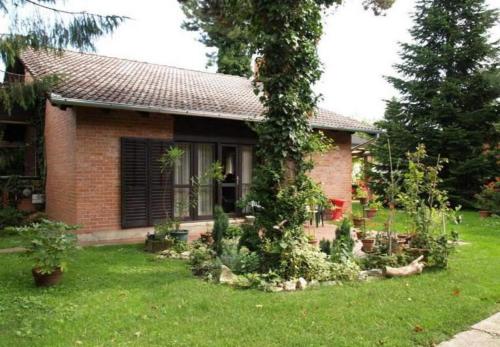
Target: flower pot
313, 242
359, 235
154, 245
180, 235
358, 222
484, 214
363, 201
371, 212
368, 245
46, 280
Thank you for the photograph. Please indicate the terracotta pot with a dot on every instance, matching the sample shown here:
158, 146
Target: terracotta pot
484, 214
313, 242
358, 222
371, 212
368, 245
363, 201
359, 235
46, 280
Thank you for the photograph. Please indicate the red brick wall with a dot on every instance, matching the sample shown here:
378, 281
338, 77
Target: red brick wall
60, 146
333, 169
98, 161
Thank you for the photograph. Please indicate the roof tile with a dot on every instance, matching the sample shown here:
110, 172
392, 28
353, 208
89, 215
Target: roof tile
122, 82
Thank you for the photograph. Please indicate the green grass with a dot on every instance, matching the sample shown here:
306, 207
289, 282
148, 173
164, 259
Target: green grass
121, 296
8, 240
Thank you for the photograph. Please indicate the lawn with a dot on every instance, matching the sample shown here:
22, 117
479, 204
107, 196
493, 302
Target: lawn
121, 296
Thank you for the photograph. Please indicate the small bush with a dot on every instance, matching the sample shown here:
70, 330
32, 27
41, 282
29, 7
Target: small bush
221, 223
202, 259
325, 246
10, 217
233, 232
250, 238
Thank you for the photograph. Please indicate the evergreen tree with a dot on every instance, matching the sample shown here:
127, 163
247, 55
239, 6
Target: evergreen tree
39, 24
449, 95
223, 26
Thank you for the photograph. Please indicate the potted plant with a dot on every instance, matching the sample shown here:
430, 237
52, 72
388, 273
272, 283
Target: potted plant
159, 240
357, 220
367, 241
311, 239
373, 207
488, 201
177, 233
48, 244
362, 195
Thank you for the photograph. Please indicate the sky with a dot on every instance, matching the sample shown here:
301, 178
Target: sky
357, 49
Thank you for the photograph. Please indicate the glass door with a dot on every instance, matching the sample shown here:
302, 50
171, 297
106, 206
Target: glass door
228, 191
205, 155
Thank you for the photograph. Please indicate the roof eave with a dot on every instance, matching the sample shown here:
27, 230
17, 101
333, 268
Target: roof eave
57, 99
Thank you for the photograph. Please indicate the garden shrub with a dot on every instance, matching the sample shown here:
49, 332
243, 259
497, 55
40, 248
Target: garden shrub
202, 259
233, 232
489, 198
239, 260
10, 217
221, 223
343, 244
325, 246
250, 238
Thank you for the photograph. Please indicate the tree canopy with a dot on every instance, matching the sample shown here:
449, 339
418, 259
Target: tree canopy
448, 82
41, 24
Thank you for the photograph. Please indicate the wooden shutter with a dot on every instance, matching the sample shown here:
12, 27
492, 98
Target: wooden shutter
135, 199
147, 194
161, 191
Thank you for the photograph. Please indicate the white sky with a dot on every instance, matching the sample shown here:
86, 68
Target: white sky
357, 49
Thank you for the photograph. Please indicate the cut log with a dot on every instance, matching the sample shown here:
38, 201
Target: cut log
415, 267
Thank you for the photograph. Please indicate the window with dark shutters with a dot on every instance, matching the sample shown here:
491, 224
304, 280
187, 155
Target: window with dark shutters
146, 191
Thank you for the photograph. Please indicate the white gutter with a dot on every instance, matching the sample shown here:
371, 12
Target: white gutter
60, 100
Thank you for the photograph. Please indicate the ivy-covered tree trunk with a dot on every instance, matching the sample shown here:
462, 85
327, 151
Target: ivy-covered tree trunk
286, 35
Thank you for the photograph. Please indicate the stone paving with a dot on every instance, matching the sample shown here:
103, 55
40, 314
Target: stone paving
483, 334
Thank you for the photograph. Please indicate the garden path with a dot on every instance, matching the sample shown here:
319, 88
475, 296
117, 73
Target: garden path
483, 334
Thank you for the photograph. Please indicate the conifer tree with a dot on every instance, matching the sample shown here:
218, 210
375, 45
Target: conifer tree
43, 24
448, 86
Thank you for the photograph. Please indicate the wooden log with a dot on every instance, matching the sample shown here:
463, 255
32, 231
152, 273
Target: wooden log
415, 267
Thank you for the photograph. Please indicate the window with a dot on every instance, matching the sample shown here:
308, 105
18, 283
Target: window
182, 182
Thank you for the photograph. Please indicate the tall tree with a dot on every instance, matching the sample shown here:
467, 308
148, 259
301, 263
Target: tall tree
449, 94
222, 26
225, 25
41, 24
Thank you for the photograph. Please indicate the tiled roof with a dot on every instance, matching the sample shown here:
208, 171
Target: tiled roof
120, 83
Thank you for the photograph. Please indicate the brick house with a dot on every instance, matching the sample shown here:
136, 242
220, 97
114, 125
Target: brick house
109, 120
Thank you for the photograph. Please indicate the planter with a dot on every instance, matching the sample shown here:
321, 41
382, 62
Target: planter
404, 238
371, 212
180, 235
313, 242
484, 214
363, 201
368, 245
46, 280
359, 235
154, 245
358, 222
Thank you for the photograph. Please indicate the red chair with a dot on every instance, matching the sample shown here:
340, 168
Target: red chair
338, 210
